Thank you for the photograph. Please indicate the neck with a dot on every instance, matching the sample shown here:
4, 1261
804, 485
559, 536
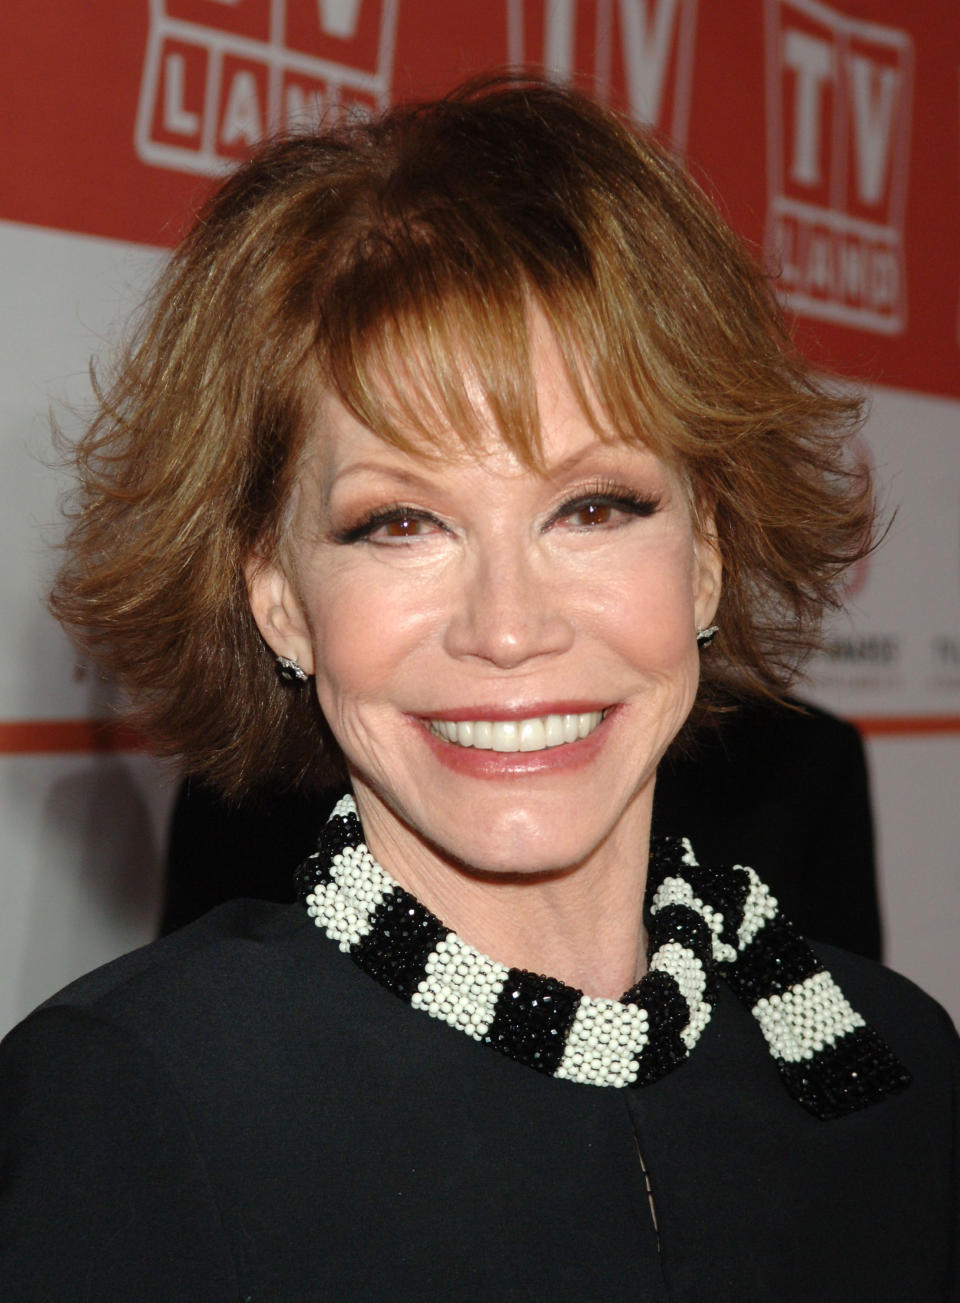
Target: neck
582, 924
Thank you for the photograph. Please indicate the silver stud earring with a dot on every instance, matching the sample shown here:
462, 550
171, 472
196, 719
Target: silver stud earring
706, 636
291, 671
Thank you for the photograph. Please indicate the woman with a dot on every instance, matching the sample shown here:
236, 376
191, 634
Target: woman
479, 421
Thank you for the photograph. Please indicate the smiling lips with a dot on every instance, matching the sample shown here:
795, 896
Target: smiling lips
537, 733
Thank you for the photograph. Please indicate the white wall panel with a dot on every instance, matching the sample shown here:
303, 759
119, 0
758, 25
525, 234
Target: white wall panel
917, 811
80, 868
65, 297
896, 649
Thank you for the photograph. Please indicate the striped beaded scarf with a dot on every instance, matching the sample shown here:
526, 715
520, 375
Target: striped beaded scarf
704, 924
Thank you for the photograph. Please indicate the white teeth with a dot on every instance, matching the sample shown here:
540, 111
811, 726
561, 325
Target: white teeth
506, 735
533, 734
553, 730
483, 735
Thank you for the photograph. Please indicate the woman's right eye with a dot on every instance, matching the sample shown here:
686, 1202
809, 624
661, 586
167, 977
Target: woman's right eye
396, 525
400, 527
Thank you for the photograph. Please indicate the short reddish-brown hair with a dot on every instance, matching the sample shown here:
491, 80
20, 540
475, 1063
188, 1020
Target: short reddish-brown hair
421, 236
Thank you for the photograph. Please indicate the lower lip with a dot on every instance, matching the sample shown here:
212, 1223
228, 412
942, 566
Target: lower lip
519, 764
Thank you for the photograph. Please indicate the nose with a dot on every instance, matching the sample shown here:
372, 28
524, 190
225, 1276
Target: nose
508, 611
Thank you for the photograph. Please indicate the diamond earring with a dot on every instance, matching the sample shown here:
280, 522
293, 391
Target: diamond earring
706, 636
290, 670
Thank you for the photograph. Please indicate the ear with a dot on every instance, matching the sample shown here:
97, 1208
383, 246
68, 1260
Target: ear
708, 573
278, 611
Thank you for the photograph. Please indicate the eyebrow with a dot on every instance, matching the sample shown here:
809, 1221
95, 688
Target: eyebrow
416, 480
397, 473
590, 450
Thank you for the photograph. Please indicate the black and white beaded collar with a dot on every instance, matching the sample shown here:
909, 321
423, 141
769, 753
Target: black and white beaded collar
704, 924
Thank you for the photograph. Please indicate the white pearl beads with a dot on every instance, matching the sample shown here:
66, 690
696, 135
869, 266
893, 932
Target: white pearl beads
345, 906
805, 1019
759, 907
604, 1043
461, 986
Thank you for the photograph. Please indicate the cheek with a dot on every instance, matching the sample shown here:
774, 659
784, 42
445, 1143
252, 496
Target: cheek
650, 613
364, 634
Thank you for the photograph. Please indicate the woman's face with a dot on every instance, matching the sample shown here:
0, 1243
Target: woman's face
503, 656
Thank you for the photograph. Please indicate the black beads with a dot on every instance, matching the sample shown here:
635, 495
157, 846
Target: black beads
339, 832
775, 960
532, 1018
668, 1014
858, 1070
402, 937
681, 924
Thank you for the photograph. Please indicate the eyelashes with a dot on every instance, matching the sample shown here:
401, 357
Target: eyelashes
598, 505
599, 501
398, 514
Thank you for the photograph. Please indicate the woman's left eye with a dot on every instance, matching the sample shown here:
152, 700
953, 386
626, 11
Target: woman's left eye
404, 526
592, 513
597, 512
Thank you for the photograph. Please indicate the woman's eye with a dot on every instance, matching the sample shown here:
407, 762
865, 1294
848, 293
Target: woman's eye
592, 513
402, 527
598, 512
389, 527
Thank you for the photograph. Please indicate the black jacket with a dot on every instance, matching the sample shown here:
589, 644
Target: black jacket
239, 1112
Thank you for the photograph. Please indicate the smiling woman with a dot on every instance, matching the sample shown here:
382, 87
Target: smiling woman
464, 460
510, 602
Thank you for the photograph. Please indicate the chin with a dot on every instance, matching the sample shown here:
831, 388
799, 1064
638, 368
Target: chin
529, 838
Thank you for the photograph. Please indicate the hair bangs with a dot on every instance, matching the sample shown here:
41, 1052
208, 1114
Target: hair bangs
428, 345
436, 363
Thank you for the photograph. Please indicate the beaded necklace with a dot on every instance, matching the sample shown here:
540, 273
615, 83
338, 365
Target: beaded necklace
704, 924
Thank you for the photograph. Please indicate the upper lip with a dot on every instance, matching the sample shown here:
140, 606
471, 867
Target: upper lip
460, 714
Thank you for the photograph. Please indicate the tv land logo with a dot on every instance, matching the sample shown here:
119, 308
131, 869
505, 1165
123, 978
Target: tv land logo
221, 74
839, 97
637, 51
